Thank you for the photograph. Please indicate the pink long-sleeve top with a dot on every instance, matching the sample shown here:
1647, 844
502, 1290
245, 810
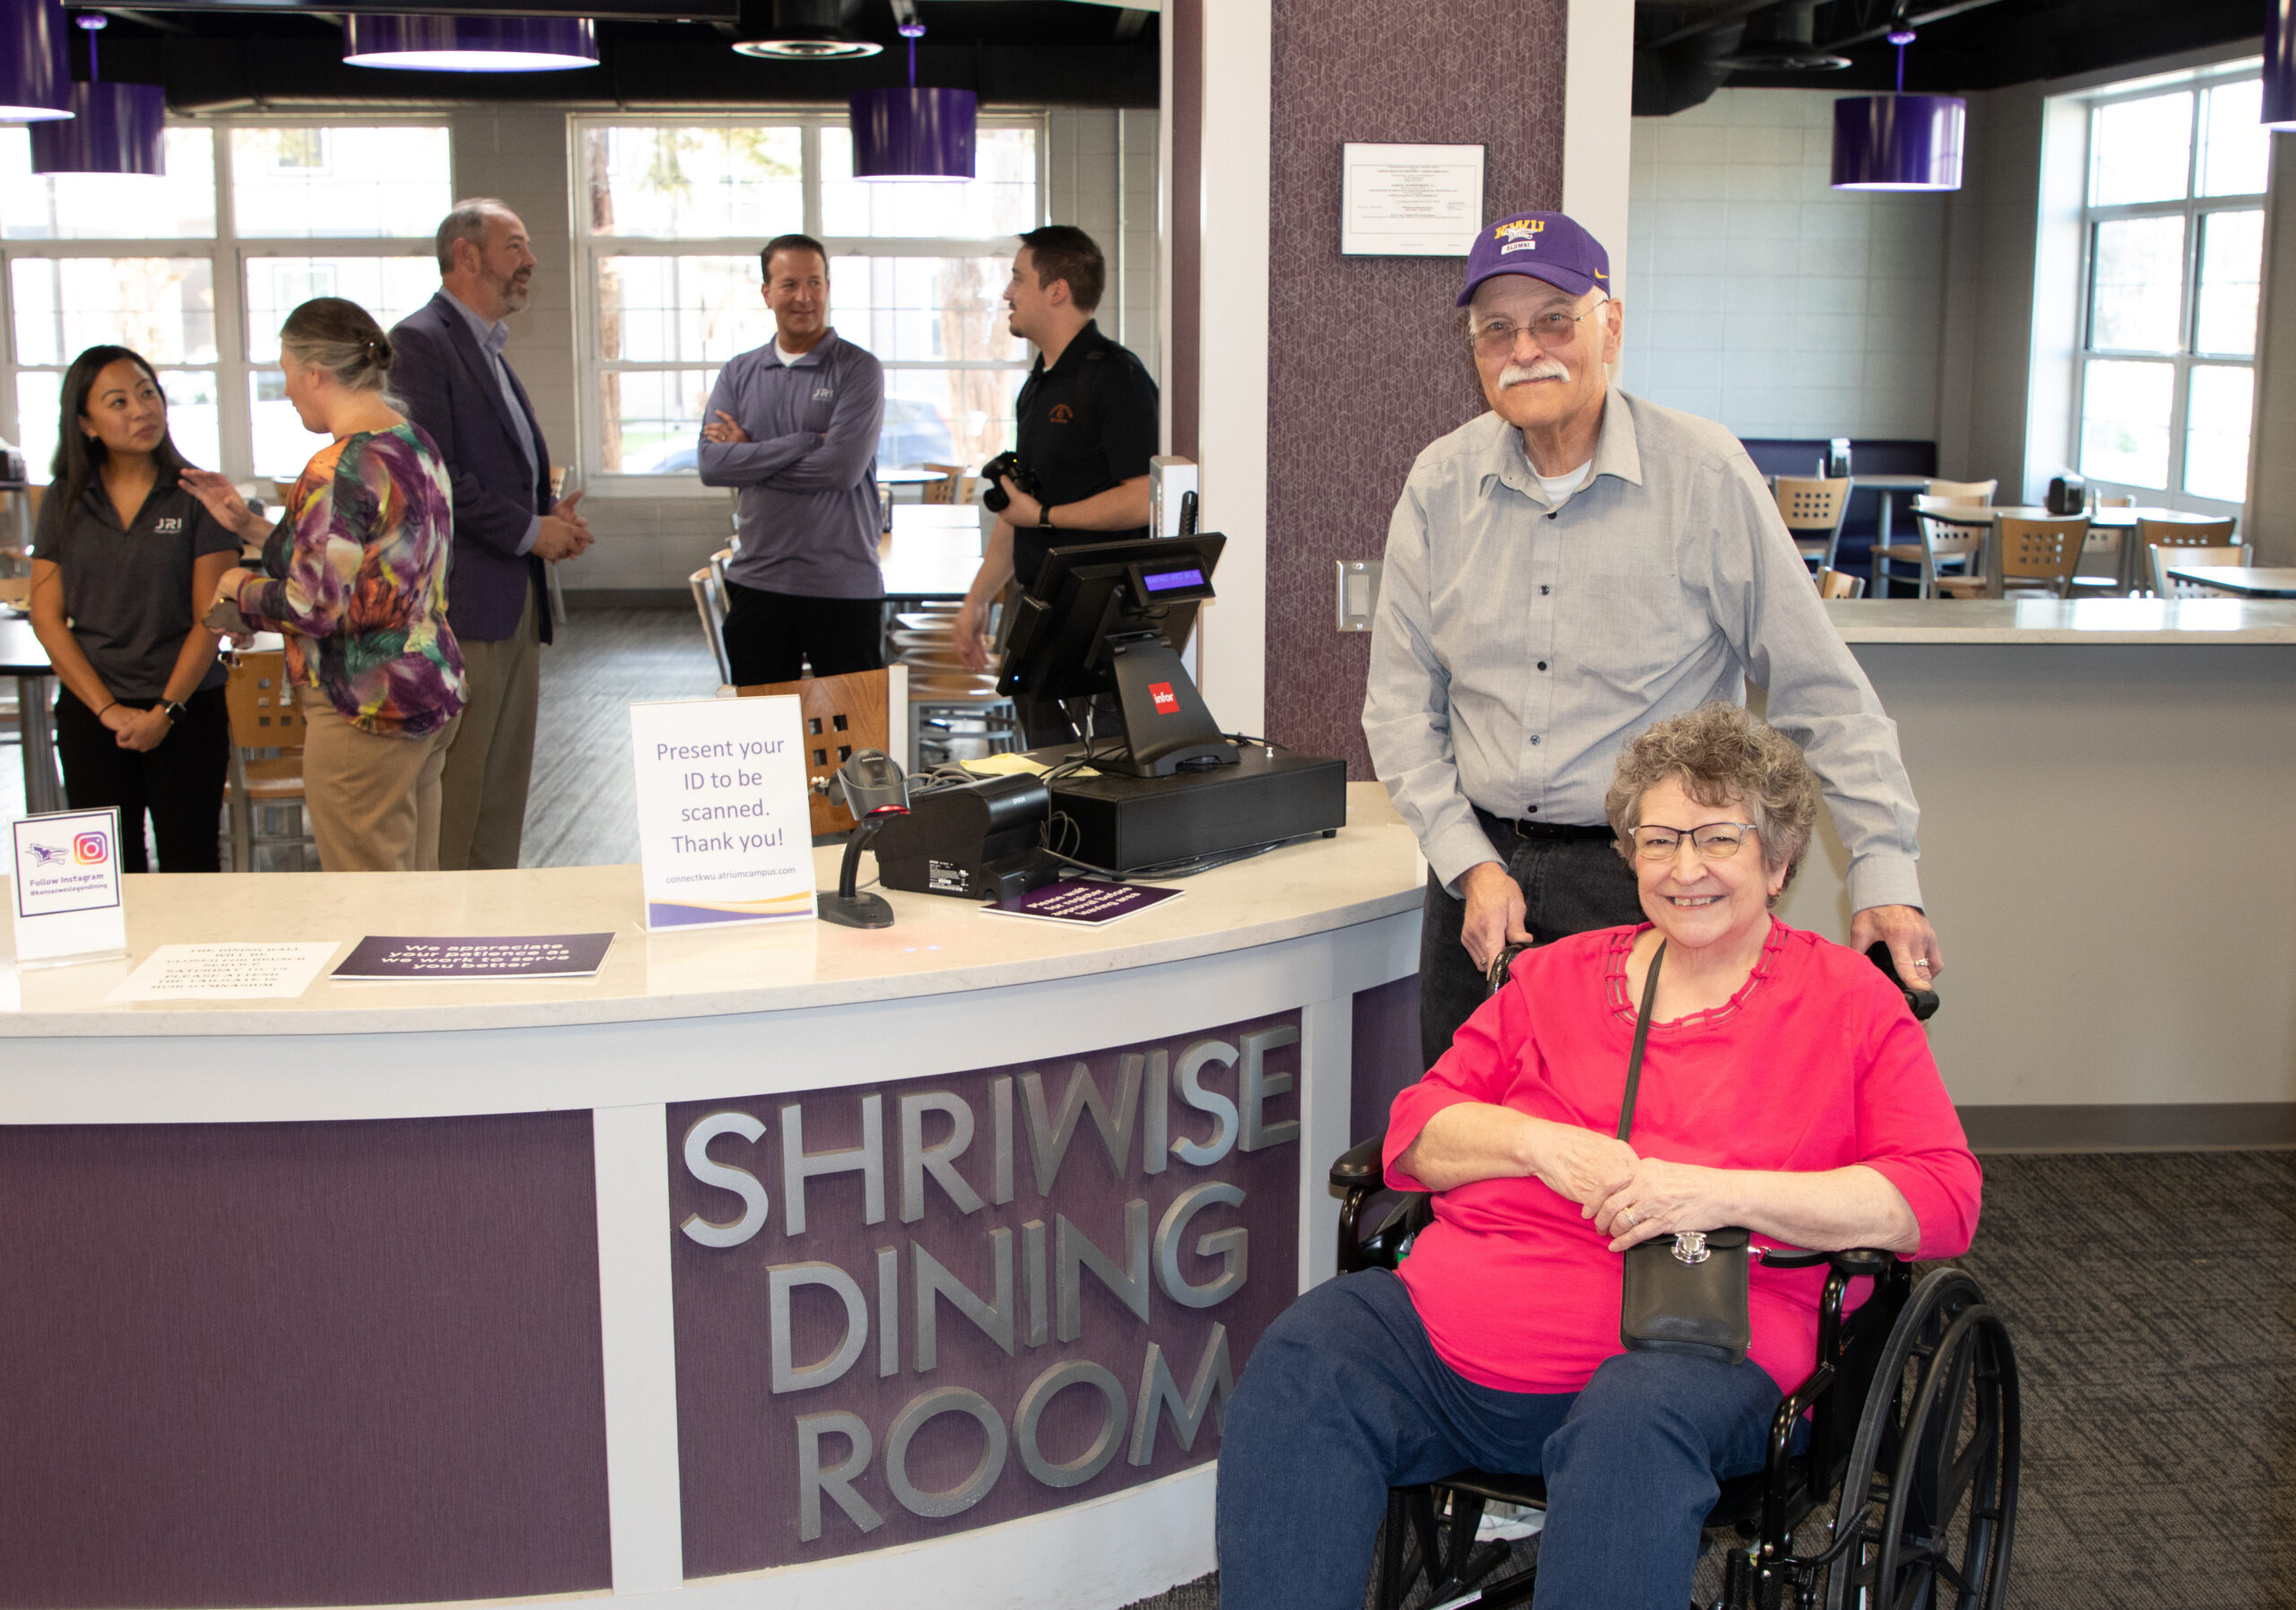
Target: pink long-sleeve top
1815, 1064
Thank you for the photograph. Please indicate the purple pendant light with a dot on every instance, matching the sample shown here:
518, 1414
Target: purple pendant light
35, 79
421, 44
912, 133
114, 127
2280, 64
1899, 142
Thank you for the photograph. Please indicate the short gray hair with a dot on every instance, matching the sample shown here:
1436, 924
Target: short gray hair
467, 221
1720, 753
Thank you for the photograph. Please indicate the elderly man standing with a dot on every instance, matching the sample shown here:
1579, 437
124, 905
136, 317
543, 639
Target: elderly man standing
1561, 572
447, 364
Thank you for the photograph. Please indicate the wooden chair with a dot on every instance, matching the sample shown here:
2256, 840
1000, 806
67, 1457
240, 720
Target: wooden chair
1813, 512
16, 590
2164, 554
266, 771
2042, 550
1917, 553
842, 715
1840, 584
2187, 534
710, 603
953, 487
1947, 541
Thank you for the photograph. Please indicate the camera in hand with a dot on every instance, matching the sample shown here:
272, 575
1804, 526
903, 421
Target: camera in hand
1007, 466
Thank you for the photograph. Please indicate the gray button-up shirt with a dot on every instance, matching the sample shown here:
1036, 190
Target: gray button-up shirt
1519, 645
808, 475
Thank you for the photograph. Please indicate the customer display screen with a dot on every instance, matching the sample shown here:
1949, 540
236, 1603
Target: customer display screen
1165, 581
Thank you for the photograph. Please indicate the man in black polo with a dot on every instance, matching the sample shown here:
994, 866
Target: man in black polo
1087, 426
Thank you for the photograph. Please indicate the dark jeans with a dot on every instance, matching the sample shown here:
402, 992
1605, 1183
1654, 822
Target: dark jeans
1568, 887
772, 637
180, 782
1345, 1397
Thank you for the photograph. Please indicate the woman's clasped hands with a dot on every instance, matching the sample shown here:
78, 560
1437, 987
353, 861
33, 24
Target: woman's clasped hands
1630, 1197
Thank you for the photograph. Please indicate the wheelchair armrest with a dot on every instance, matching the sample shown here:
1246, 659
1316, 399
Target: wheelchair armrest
1359, 1168
1857, 1262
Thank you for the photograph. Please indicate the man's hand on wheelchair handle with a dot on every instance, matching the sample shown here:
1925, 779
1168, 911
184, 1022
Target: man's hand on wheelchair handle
1494, 918
1912, 942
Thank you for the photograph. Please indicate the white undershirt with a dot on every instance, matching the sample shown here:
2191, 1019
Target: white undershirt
1560, 487
784, 354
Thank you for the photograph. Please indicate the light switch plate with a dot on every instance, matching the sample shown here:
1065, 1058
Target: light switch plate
1357, 593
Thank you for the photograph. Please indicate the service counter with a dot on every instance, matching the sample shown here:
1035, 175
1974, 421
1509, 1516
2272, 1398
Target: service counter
774, 1265
2105, 789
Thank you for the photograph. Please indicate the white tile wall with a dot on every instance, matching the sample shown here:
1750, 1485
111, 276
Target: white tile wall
1758, 295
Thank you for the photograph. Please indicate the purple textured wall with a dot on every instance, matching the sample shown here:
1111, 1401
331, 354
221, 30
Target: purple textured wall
1363, 370
344, 1363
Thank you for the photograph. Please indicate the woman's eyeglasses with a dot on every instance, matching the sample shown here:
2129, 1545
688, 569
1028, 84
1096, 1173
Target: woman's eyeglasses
1715, 841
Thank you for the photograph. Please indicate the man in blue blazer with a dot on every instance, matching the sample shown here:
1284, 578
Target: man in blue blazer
447, 364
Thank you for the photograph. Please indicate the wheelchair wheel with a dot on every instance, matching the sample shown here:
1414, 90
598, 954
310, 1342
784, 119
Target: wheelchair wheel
1927, 1511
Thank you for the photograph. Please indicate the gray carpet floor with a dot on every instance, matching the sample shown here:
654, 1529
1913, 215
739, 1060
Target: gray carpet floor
2151, 1297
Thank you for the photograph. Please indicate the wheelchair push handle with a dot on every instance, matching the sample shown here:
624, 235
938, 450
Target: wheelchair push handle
1922, 1002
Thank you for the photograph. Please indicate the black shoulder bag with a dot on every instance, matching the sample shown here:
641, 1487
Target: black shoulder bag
1684, 1292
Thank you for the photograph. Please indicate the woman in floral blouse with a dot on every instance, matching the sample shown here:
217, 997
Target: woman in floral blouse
355, 576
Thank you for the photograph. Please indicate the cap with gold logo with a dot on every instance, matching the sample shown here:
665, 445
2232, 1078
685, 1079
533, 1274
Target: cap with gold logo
1545, 246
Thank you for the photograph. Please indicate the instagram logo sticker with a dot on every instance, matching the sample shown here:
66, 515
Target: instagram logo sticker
90, 850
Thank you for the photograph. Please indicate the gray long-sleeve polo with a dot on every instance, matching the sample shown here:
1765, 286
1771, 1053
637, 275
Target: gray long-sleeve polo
808, 477
1519, 645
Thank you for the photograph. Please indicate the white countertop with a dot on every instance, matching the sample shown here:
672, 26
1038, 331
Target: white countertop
2019, 621
936, 944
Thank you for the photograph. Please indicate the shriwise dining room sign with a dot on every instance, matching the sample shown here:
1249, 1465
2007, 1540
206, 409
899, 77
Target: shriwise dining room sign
910, 1308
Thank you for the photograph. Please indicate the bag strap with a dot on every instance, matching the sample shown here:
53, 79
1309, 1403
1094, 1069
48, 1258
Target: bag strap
1641, 1038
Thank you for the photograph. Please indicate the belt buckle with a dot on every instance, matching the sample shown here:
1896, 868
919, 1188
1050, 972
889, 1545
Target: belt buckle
1690, 1247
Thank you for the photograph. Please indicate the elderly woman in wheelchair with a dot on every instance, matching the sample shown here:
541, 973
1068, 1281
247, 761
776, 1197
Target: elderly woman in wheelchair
1783, 1088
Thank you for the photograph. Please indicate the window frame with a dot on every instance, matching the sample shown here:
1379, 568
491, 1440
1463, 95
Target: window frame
230, 254
2193, 209
588, 248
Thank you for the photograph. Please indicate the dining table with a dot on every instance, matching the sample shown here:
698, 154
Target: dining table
22, 658
931, 553
2242, 582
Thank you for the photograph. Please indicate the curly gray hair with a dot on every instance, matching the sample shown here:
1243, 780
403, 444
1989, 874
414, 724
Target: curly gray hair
1721, 755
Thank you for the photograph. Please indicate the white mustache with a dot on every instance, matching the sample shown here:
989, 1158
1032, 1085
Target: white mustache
1545, 369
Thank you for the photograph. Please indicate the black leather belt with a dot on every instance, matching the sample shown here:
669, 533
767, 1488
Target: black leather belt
1563, 833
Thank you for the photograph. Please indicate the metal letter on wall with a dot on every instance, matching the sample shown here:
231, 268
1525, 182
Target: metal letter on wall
1044, 1276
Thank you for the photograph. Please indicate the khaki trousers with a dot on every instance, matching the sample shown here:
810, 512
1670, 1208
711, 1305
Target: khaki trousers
373, 800
493, 755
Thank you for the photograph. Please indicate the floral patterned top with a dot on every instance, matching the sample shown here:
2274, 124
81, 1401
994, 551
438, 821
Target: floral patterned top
358, 583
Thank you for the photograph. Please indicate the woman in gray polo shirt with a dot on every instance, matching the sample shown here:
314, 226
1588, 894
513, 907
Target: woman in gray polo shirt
125, 560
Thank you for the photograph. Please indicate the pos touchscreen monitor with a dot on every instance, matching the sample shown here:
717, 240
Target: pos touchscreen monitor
1112, 618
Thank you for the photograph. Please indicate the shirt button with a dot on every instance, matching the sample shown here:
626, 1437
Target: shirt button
1530, 810
1535, 740
1543, 589
1552, 513
1541, 664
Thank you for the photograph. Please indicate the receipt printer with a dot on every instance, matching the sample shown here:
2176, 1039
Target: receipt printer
979, 841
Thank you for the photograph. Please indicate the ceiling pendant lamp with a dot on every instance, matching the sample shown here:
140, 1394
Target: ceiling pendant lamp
114, 127
35, 80
912, 133
2280, 64
421, 44
805, 31
1899, 142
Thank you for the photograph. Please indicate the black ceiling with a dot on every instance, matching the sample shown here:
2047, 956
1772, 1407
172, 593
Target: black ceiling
1962, 47
1027, 52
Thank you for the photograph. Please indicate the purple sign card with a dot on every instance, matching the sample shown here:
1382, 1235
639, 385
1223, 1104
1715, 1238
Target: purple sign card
396, 957
1092, 902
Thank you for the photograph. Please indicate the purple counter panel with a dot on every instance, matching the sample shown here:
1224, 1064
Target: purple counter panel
1066, 1254
1386, 1056
333, 1363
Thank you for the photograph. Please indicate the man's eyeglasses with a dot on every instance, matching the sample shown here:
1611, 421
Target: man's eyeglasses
1554, 330
1715, 841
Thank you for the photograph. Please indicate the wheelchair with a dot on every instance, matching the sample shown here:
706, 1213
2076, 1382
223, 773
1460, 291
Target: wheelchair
1913, 1444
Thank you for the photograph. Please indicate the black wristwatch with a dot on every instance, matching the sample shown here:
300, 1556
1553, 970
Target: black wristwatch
1044, 518
171, 709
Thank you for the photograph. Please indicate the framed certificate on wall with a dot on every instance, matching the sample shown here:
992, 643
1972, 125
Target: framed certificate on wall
1409, 201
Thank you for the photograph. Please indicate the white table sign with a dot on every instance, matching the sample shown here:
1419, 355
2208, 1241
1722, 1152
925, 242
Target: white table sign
1410, 201
227, 971
66, 899
723, 826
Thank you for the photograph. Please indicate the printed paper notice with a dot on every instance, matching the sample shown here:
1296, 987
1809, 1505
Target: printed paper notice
1410, 201
226, 972
1092, 902
66, 894
724, 830
402, 958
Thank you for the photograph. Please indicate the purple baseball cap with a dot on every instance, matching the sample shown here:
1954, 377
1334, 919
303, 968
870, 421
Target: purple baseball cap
1545, 246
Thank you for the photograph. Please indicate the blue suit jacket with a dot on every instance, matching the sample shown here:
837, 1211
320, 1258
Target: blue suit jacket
448, 387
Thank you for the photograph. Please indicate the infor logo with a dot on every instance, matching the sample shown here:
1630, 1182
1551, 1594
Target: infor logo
1168, 703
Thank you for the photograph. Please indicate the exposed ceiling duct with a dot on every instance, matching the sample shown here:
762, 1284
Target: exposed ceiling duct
1782, 40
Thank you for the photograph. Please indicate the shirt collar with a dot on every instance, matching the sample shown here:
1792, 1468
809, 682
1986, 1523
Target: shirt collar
491, 338
1616, 452
817, 353
1073, 355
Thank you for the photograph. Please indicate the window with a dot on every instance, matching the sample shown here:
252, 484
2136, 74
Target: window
196, 270
2174, 227
672, 216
